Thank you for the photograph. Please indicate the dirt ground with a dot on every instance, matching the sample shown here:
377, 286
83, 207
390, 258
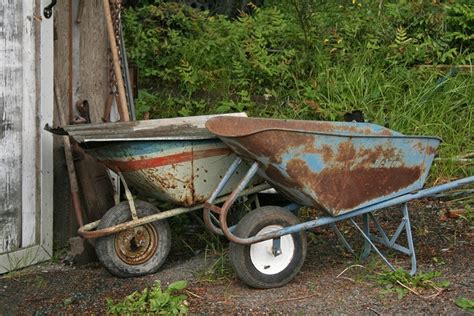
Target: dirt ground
443, 244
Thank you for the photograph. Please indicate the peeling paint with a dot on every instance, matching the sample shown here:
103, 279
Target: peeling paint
333, 166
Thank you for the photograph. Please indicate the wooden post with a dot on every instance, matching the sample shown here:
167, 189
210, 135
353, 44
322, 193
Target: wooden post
76, 202
122, 105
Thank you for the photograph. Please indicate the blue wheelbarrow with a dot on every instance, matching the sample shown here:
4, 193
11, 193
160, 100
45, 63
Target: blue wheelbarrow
343, 169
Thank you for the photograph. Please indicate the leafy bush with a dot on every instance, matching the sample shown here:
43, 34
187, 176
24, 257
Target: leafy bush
153, 300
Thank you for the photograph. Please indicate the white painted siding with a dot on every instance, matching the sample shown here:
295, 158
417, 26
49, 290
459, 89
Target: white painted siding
29, 128
25, 150
11, 100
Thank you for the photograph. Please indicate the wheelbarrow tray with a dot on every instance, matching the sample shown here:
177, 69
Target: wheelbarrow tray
175, 160
336, 167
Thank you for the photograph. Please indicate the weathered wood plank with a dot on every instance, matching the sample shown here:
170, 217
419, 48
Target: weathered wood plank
94, 59
29, 128
45, 99
11, 100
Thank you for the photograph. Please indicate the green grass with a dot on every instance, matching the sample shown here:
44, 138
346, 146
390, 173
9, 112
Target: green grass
465, 304
217, 254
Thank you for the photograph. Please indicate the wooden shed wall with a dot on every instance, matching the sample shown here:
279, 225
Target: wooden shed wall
81, 73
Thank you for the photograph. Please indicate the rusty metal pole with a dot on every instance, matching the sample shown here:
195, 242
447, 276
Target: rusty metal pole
76, 202
122, 105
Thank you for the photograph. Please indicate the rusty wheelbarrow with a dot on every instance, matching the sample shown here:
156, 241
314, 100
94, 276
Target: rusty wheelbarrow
173, 160
343, 169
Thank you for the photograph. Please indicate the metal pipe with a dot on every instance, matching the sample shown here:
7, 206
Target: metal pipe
330, 219
87, 232
71, 169
233, 167
230, 200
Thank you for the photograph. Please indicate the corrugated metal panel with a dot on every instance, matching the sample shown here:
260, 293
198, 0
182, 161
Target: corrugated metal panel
182, 128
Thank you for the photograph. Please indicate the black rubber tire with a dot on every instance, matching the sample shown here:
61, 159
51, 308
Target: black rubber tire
105, 246
249, 226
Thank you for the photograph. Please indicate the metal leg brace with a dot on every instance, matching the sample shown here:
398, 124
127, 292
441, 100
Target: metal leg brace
381, 237
129, 196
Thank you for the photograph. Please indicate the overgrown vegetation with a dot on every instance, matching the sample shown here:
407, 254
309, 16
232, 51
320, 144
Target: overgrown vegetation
218, 253
313, 59
152, 301
465, 304
402, 283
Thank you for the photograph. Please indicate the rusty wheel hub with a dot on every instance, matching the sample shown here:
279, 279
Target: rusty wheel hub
136, 245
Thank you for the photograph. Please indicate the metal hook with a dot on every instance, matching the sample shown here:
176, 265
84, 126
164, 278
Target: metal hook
48, 11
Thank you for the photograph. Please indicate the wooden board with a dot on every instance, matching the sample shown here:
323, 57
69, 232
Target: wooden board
26, 56
11, 99
94, 59
90, 75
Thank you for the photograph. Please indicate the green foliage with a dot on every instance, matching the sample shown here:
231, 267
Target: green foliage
218, 253
152, 301
314, 59
401, 282
469, 213
465, 304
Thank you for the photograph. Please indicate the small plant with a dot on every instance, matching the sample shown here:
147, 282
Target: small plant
465, 303
468, 214
401, 282
220, 269
153, 300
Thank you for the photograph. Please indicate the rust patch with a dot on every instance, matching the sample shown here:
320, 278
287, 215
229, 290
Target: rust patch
137, 245
430, 150
327, 153
346, 152
339, 190
274, 144
275, 174
370, 156
229, 126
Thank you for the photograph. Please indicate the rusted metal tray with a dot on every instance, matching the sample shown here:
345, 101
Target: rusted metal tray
333, 166
175, 160
346, 169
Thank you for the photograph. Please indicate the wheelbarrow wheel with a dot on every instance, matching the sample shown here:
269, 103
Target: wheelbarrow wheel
255, 264
136, 251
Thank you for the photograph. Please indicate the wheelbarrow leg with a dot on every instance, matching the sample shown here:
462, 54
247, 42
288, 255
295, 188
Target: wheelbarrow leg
367, 247
411, 246
392, 242
342, 240
382, 238
367, 239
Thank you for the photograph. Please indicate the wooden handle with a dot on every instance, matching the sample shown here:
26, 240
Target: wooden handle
122, 105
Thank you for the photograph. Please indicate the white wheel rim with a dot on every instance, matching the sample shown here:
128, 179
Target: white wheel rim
262, 256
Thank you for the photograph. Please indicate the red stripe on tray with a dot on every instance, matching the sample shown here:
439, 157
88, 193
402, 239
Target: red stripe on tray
134, 165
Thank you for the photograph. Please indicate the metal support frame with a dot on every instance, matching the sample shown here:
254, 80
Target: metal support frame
129, 196
383, 239
90, 230
365, 212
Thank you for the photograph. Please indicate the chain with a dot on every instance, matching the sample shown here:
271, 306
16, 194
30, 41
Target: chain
115, 10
